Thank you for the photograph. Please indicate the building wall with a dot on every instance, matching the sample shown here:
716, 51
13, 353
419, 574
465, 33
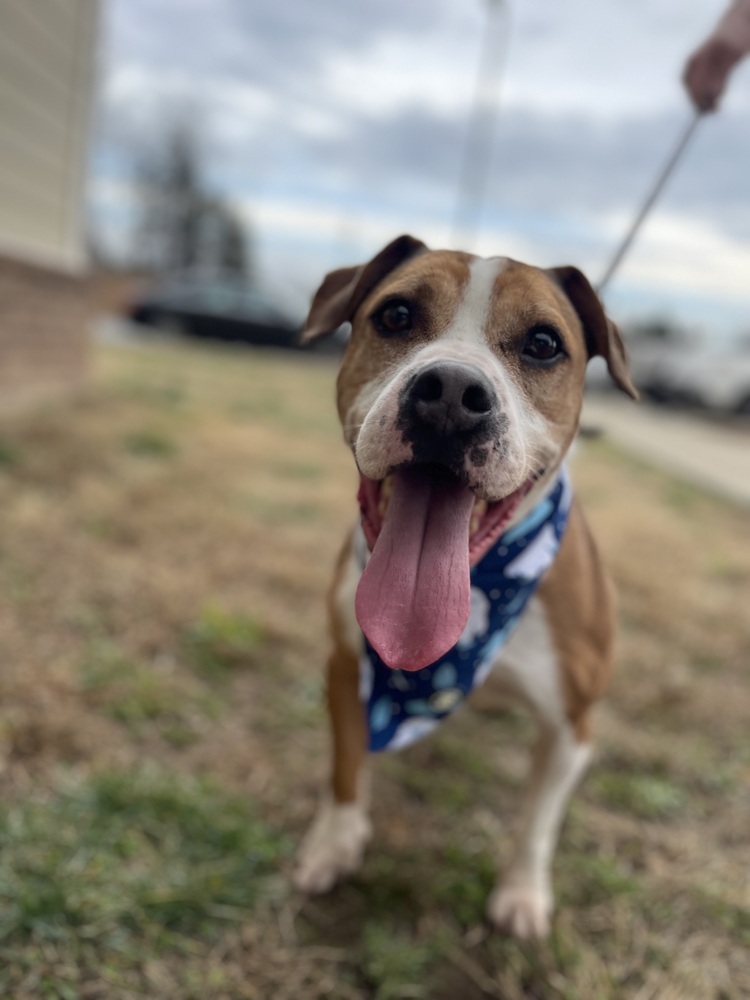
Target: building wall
47, 50
46, 75
44, 317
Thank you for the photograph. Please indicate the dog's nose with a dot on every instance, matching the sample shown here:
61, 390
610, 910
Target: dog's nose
452, 397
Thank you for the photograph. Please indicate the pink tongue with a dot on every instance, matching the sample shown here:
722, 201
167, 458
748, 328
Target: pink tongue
412, 602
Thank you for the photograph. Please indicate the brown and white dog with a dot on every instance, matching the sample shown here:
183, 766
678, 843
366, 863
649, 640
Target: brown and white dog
462, 384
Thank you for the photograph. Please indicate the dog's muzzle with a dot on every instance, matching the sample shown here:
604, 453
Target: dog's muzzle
445, 408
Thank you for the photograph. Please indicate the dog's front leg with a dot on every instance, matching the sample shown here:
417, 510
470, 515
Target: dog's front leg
522, 902
335, 843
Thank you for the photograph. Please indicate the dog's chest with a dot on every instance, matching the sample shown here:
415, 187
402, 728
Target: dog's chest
402, 706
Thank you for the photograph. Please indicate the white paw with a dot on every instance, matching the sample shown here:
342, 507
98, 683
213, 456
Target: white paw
333, 847
521, 910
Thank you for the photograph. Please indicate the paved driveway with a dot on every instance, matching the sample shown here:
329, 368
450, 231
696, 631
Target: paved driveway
712, 456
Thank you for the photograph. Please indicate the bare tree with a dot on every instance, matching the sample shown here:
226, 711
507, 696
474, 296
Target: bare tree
183, 228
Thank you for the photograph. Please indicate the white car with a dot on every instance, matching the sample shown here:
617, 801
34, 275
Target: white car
718, 380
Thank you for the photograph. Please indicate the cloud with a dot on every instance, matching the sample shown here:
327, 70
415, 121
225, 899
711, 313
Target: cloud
335, 125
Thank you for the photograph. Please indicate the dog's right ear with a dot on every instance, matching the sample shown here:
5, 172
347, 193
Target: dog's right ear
602, 336
343, 291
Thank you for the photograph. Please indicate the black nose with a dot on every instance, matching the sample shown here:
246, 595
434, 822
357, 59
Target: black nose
452, 397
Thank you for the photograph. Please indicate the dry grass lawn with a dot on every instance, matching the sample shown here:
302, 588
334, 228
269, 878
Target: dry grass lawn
164, 549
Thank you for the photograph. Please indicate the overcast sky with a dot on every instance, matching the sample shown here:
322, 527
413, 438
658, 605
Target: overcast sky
334, 125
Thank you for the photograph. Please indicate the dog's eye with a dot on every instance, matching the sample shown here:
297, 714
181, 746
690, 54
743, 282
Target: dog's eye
543, 345
394, 317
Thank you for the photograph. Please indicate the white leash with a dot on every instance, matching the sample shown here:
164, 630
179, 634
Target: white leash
654, 193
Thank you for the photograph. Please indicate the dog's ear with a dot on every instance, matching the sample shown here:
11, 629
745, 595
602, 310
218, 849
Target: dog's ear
343, 291
602, 336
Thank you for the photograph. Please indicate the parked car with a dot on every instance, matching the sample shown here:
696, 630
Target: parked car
221, 311
685, 371
656, 361
715, 380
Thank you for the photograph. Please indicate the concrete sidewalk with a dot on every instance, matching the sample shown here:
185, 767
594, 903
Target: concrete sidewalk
711, 456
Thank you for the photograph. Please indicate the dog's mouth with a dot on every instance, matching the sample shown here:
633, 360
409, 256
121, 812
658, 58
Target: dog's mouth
425, 529
487, 520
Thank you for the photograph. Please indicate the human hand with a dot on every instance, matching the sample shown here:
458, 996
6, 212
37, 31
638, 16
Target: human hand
706, 72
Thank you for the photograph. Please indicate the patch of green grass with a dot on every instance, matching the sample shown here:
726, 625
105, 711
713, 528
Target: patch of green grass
707, 662
131, 855
87, 621
544, 969
392, 883
394, 965
148, 697
465, 760
220, 641
463, 881
645, 796
735, 919
454, 878
150, 444
137, 694
104, 661
289, 708
587, 879
10, 455
444, 791
514, 724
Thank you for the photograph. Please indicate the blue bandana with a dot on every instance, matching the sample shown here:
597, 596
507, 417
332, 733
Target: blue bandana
402, 706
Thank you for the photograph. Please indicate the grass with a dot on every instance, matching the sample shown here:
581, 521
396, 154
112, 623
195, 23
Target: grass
125, 862
219, 641
394, 965
133, 853
150, 444
147, 696
640, 794
9, 456
165, 547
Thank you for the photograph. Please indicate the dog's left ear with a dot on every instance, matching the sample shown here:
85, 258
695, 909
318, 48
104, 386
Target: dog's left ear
343, 291
602, 336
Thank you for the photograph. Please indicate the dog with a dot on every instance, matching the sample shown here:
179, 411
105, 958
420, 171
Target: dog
459, 394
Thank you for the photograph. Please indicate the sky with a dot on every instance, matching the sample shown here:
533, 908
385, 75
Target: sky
333, 126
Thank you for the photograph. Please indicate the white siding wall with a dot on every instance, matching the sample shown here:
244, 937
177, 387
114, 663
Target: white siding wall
46, 80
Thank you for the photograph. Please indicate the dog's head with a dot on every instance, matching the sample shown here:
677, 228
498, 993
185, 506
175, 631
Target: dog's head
459, 393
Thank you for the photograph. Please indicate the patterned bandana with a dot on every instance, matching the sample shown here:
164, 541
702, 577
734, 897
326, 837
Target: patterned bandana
402, 706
